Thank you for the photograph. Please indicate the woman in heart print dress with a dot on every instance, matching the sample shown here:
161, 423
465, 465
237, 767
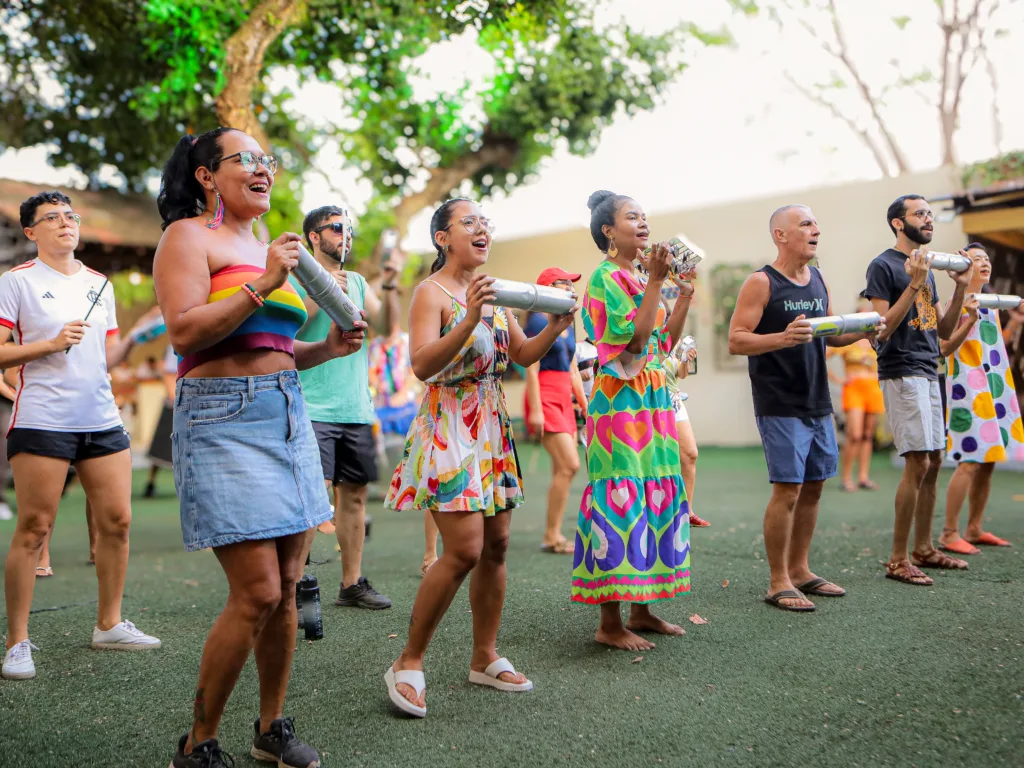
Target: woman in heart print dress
633, 531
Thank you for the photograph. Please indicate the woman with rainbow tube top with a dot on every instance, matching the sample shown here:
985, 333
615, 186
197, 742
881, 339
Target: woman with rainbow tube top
246, 463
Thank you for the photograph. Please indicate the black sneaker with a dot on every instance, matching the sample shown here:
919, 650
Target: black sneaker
362, 595
280, 745
205, 754
150, 491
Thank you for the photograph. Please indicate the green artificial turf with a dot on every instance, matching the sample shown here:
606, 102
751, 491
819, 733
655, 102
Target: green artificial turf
891, 675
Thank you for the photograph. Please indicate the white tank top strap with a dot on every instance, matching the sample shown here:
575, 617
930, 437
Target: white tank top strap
428, 280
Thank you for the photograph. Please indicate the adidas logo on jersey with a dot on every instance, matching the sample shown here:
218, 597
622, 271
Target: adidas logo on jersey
48, 295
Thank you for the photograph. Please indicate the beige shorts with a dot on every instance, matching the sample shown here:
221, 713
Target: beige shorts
913, 406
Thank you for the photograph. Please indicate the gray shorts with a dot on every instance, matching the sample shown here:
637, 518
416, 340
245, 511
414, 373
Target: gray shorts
913, 406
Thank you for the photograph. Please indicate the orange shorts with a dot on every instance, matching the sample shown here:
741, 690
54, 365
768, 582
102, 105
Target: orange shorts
863, 395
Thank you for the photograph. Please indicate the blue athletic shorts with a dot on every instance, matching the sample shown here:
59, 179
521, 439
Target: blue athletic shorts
799, 450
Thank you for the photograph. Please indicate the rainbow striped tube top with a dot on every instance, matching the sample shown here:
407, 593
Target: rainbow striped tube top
272, 326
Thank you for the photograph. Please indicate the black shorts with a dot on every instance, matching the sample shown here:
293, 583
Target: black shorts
348, 452
73, 446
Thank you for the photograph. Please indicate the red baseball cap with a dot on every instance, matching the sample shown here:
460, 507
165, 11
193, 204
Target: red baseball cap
552, 275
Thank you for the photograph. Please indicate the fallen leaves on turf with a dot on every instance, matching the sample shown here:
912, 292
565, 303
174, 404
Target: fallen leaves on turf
696, 619
638, 659
391, 637
725, 584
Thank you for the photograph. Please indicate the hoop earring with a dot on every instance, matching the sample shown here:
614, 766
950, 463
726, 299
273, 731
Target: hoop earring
218, 215
612, 250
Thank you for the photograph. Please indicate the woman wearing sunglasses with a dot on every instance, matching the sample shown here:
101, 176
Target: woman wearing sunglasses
62, 318
460, 461
246, 463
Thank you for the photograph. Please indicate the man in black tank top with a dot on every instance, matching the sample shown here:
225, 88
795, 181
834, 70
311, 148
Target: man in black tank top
791, 400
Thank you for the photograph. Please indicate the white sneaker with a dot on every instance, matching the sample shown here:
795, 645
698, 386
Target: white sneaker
5, 511
123, 637
18, 663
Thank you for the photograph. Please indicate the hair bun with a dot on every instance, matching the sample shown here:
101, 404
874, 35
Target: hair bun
598, 197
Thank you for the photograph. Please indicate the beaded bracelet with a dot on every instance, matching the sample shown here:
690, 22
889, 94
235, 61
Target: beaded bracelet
253, 294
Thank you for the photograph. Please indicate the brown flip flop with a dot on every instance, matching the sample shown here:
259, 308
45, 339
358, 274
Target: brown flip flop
813, 587
791, 594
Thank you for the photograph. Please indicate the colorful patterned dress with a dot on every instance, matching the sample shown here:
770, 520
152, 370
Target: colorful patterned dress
459, 454
984, 413
633, 531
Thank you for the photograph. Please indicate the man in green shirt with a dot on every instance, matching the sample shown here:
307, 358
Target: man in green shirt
338, 399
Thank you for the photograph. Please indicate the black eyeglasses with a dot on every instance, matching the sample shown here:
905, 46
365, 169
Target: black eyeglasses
251, 161
337, 227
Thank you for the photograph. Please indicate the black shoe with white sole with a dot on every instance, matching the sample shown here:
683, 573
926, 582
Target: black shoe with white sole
205, 754
280, 745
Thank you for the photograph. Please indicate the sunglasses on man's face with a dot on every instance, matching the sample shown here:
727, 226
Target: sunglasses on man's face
337, 227
250, 161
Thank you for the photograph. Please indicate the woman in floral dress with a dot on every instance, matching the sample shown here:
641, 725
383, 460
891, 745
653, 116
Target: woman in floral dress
633, 532
460, 461
983, 421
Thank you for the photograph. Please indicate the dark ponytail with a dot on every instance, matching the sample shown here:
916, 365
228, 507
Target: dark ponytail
441, 220
181, 195
603, 205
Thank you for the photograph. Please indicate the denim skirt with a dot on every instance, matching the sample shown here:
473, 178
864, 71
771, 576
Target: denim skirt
246, 461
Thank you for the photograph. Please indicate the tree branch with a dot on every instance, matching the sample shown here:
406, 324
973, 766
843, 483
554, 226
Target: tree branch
868, 140
499, 151
243, 63
842, 54
997, 118
307, 157
949, 109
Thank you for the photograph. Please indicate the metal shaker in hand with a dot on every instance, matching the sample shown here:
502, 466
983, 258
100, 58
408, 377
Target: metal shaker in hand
685, 256
837, 325
325, 291
538, 298
953, 262
997, 300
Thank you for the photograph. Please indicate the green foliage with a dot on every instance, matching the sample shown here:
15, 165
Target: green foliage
556, 81
726, 281
132, 287
986, 172
116, 82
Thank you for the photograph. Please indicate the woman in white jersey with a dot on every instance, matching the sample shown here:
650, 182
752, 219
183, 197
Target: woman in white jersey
64, 413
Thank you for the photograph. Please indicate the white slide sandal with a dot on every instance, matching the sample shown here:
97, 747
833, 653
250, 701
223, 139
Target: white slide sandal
489, 677
415, 680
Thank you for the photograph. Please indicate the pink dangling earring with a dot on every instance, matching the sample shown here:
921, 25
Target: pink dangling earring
218, 215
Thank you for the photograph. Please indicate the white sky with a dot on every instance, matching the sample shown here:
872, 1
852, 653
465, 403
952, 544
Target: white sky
731, 127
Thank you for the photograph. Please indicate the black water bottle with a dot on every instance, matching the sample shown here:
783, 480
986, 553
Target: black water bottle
307, 600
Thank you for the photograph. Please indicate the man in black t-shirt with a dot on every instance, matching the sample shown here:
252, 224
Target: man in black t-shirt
902, 289
791, 400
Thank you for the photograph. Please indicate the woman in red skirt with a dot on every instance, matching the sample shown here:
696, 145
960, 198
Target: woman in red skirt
550, 386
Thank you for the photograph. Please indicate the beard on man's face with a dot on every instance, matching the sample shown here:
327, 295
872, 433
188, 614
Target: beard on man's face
916, 234
331, 250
